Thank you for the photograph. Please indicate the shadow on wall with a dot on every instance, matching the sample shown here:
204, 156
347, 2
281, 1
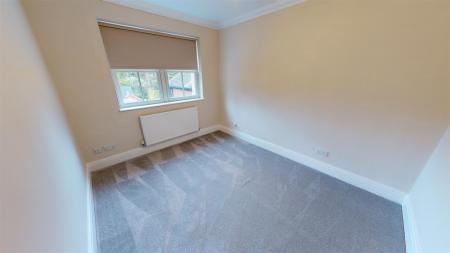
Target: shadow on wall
42, 181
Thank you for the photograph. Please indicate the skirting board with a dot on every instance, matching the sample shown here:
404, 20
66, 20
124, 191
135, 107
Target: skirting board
367, 184
346, 176
91, 224
133, 153
341, 174
410, 227
121, 157
331, 170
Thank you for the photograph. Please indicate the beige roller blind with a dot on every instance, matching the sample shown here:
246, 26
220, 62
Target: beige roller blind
141, 50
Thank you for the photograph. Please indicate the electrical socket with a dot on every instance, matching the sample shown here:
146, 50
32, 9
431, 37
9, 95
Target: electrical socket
235, 124
108, 147
323, 152
104, 148
97, 151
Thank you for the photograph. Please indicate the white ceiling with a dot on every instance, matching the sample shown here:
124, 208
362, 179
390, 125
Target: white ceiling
215, 14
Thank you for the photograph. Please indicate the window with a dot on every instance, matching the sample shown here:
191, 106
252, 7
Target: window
151, 68
140, 87
182, 83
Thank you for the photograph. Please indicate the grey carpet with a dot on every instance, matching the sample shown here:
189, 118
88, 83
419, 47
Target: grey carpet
220, 194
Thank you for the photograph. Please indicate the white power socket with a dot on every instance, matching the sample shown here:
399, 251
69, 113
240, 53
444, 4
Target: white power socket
323, 152
104, 148
235, 124
97, 151
108, 147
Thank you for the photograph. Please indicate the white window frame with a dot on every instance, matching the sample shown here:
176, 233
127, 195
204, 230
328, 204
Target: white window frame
162, 75
138, 104
197, 83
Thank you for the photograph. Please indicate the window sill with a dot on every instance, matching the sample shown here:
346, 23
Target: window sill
160, 104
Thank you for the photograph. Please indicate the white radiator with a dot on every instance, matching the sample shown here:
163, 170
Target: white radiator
168, 125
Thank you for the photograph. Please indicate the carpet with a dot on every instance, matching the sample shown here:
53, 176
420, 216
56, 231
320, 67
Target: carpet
218, 193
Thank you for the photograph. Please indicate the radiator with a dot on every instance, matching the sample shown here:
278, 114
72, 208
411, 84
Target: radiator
163, 126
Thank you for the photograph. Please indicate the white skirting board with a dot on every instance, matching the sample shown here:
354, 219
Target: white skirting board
136, 152
331, 170
91, 224
346, 176
410, 227
121, 157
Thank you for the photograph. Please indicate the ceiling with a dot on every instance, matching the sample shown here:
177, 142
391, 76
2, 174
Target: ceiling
215, 14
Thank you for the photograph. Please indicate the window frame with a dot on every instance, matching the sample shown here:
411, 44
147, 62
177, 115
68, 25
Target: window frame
138, 104
162, 75
197, 83
199, 74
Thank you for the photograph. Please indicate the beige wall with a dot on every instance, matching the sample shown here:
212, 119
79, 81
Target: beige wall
366, 80
72, 46
42, 180
430, 201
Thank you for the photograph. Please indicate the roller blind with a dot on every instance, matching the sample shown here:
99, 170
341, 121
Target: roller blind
131, 49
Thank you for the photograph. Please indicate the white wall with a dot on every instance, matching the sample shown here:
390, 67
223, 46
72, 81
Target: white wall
366, 80
42, 182
429, 201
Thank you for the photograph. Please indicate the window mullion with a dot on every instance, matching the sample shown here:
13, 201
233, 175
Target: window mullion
182, 82
140, 85
164, 84
160, 83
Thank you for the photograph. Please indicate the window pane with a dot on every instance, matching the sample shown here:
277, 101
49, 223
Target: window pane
175, 84
130, 89
189, 84
145, 87
150, 86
